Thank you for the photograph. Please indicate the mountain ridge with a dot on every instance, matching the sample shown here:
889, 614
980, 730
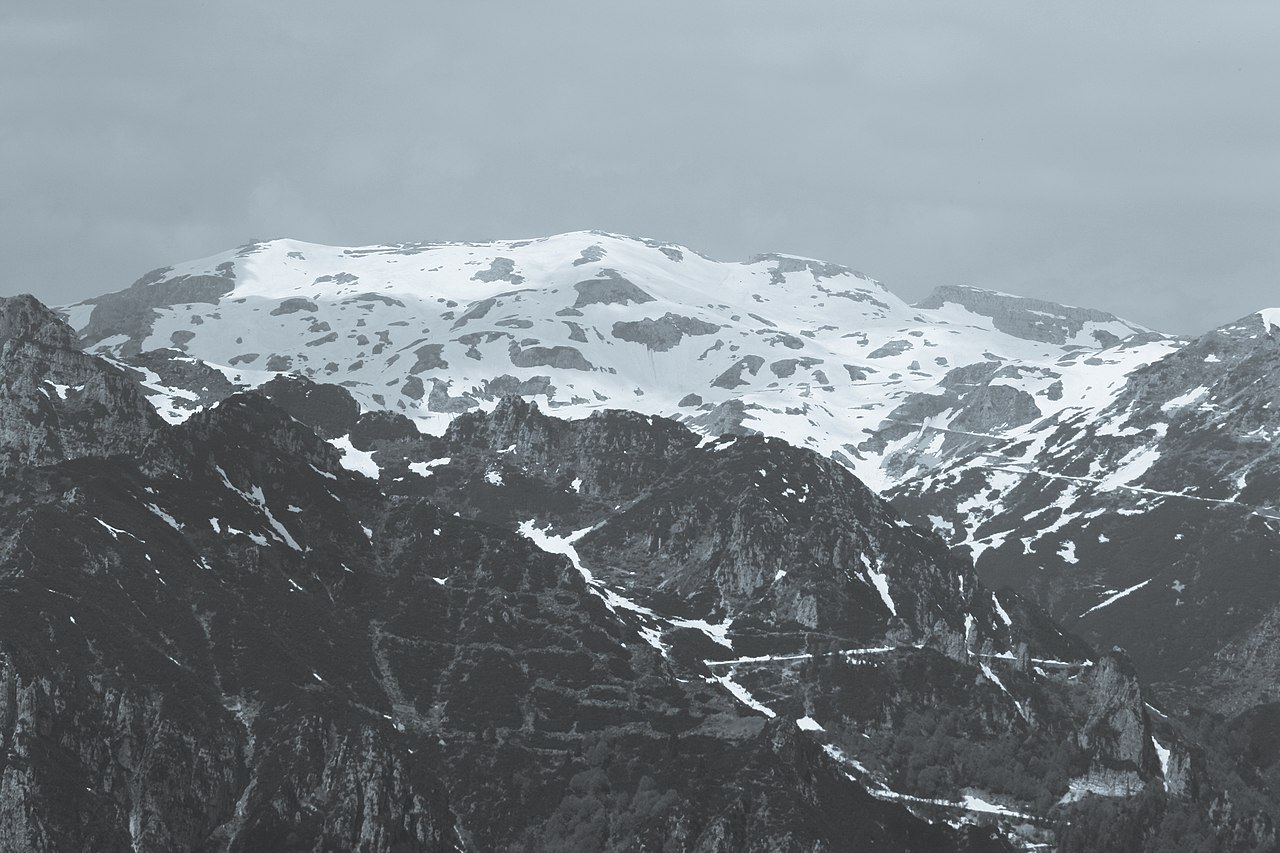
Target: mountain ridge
278, 582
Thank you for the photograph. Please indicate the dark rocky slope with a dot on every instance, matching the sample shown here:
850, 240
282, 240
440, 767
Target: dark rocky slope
1171, 496
216, 637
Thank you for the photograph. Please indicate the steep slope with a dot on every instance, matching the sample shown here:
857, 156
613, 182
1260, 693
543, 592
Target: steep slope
507, 637
841, 617
791, 347
55, 401
535, 634
1154, 524
237, 644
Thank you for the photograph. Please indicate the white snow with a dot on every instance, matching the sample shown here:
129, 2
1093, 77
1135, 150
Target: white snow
1270, 318
493, 477
359, 461
414, 295
114, 531
1184, 400
165, 517
809, 724
423, 469
881, 583
742, 694
1114, 596
1163, 754
977, 804
1004, 617
1132, 466
716, 632
991, 676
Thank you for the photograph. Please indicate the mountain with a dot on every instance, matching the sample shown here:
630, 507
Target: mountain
1116, 476
1107, 480
289, 624
812, 352
1151, 523
233, 643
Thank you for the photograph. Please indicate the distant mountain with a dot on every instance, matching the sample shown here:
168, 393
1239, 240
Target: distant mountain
1117, 476
1102, 476
809, 351
287, 624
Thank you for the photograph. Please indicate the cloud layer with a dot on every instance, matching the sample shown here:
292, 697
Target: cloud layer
1124, 158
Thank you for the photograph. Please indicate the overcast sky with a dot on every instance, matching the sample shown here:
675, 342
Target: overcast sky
1120, 156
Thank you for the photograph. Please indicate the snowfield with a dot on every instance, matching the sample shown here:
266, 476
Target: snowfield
812, 352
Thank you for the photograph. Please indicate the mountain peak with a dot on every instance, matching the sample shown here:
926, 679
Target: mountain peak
25, 318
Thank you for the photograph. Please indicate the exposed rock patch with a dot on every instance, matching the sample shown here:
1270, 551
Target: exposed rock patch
732, 378
293, 305
612, 289
429, 358
500, 269
663, 333
563, 357
131, 312
1023, 317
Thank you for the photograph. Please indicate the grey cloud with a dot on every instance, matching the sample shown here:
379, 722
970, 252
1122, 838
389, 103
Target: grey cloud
1121, 158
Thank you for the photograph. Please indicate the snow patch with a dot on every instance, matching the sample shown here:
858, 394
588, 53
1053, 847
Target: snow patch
1115, 596
1004, 617
1270, 318
359, 461
423, 469
881, 583
1163, 754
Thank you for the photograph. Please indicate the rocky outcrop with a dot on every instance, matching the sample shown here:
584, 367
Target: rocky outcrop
56, 402
611, 289
662, 334
1023, 317
132, 312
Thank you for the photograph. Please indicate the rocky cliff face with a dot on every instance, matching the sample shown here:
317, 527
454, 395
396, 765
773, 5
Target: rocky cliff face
775, 574
1152, 526
56, 402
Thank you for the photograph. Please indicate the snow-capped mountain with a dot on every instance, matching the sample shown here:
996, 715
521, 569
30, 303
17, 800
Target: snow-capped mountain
987, 415
812, 352
526, 633
353, 631
1153, 523
1121, 478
